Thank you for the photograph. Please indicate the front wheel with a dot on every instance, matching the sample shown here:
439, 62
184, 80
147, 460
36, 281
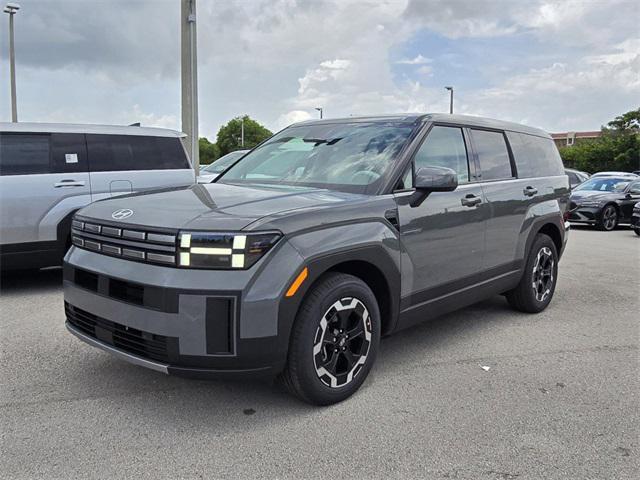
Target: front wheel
538, 282
608, 218
334, 340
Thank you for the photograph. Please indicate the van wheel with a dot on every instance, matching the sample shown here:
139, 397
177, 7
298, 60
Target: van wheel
538, 282
637, 230
334, 341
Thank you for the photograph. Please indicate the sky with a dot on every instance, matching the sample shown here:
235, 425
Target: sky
559, 65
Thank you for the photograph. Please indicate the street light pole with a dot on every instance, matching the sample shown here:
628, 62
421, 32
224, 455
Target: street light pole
320, 110
450, 99
189, 79
11, 9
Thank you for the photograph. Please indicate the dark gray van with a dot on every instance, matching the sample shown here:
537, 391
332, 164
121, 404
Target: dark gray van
49, 171
318, 242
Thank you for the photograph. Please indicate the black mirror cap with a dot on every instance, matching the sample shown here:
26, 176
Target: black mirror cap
436, 179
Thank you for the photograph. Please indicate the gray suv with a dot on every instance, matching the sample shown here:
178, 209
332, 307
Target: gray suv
324, 238
50, 171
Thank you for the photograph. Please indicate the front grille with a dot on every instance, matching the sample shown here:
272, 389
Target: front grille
137, 342
131, 243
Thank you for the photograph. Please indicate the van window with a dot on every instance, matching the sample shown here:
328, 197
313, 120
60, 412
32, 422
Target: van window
135, 152
535, 156
444, 147
68, 152
24, 153
493, 155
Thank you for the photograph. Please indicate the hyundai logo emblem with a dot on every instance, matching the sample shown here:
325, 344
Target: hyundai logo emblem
122, 214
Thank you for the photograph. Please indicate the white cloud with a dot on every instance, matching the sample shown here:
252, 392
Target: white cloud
418, 60
293, 116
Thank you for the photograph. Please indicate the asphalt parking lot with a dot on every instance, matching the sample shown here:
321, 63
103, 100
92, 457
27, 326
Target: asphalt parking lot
560, 399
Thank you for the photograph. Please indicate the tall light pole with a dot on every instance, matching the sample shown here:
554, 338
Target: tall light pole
450, 98
11, 9
189, 79
320, 110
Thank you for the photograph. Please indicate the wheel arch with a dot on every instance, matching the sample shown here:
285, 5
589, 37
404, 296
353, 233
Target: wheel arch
371, 264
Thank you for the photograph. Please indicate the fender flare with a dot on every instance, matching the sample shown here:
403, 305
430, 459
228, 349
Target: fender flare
374, 255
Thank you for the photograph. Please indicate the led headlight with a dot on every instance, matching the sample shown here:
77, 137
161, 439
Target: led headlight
223, 250
590, 203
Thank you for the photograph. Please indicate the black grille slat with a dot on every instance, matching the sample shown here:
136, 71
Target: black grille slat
156, 247
131, 340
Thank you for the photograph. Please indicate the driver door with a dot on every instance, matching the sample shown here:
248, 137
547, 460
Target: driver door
443, 238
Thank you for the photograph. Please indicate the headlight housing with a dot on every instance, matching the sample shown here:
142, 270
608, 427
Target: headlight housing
589, 203
214, 250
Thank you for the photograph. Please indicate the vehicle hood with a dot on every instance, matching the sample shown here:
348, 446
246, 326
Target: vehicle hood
216, 206
593, 195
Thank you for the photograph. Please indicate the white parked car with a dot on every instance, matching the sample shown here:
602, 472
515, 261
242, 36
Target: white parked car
212, 171
630, 176
49, 171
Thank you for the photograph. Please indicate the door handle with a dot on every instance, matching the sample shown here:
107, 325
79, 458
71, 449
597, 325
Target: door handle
470, 200
69, 183
530, 191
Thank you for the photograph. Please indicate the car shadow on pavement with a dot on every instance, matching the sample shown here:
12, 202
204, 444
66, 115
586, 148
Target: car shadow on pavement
30, 281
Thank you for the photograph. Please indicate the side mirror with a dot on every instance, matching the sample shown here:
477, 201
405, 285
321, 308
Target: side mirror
436, 179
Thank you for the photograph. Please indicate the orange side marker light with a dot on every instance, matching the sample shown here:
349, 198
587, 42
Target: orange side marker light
297, 282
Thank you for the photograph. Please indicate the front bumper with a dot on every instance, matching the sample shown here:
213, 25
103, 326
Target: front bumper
180, 321
584, 214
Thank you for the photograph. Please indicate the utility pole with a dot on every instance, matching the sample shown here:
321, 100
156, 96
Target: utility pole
320, 109
189, 79
11, 9
242, 132
450, 99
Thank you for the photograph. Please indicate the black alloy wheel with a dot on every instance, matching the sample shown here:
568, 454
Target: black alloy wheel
608, 218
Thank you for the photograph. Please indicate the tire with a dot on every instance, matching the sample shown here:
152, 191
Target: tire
538, 282
608, 218
637, 230
315, 372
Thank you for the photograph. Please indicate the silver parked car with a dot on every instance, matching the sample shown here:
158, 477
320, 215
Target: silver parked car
49, 171
208, 173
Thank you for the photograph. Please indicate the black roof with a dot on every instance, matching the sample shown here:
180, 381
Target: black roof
434, 117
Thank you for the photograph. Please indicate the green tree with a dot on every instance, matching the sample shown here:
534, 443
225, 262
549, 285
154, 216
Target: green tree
229, 135
209, 152
617, 149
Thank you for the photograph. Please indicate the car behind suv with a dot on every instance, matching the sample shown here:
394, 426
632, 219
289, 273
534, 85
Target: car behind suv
322, 239
48, 172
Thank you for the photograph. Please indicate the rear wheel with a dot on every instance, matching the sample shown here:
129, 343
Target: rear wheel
637, 230
608, 218
334, 340
538, 282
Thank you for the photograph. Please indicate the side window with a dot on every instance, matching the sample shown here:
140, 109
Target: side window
172, 154
635, 188
24, 154
406, 182
493, 155
135, 152
444, 147
573, 178
68, 152
535, 156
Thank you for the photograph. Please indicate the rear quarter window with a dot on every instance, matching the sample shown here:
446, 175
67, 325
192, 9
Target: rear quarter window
135, 152
25, 153
535, 156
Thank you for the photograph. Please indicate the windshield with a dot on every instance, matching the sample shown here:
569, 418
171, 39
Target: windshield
604, 184
221, 164
346, 157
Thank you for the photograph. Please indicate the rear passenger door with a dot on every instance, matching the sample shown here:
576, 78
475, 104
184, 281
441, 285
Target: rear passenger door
43, 178
121, 164
506, 196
